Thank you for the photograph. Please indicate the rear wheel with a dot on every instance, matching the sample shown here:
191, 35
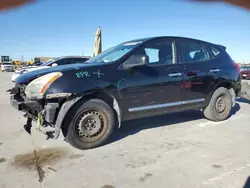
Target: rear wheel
90, 124
220, 105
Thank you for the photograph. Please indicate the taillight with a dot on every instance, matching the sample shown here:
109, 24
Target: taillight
237, 66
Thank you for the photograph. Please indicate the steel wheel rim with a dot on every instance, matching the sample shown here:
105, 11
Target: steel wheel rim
221, 104
91, 125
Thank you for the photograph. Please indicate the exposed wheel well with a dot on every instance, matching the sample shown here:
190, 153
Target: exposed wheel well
228, 86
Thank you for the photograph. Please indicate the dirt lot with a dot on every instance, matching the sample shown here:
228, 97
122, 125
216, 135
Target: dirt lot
183, 150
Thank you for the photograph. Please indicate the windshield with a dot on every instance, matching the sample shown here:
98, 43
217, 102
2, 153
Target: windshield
5, 58
7, 63
246, 68
114, 53
46, 63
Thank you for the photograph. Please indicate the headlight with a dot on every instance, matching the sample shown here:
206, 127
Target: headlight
38, 87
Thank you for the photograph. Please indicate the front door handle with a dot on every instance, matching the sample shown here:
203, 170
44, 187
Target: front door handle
175, 74
215, 70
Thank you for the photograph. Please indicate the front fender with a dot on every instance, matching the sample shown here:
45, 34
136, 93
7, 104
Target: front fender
70, 103
62, 113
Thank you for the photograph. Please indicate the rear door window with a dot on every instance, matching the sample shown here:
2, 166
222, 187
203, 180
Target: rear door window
192, 51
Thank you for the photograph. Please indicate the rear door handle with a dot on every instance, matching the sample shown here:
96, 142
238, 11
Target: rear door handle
175, 74
215, 70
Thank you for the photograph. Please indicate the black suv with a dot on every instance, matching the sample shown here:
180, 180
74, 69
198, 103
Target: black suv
135, 79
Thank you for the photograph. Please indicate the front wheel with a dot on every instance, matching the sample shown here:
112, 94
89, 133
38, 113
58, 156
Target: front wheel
220, 105
89, 124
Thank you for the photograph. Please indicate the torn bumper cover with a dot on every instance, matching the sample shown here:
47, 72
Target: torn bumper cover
44, 114
27, 106
48, 113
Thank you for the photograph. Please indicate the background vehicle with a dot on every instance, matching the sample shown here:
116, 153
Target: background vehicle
36, 63
6, 64
245, 73
51, 63
18, 63
135, 79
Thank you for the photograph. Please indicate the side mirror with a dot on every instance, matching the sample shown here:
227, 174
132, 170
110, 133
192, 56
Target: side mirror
54, 64
135, 61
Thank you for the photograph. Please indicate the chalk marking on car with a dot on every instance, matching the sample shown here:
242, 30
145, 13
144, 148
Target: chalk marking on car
148, 94
118, 87
82, 74
98, 73
136, 101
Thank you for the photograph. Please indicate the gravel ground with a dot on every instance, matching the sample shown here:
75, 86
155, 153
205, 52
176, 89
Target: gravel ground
181, 150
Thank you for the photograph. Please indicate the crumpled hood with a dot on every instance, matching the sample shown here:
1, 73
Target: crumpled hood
29, 76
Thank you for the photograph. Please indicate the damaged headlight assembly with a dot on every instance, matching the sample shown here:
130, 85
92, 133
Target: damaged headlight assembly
37, 88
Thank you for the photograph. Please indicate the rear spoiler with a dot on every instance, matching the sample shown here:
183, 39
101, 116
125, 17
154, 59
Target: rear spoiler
222, 47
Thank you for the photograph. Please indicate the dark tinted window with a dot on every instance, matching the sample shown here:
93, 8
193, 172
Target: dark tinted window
158, 51
5, 58
193, 52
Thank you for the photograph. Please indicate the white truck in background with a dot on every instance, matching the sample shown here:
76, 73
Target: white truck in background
6, 64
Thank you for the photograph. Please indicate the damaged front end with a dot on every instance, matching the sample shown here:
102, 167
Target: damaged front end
43, 111
38, 106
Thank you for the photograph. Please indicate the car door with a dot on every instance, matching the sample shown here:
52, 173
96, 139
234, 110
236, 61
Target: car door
153, 88
198, 71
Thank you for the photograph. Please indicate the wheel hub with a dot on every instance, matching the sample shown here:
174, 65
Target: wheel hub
220, 104
90, 124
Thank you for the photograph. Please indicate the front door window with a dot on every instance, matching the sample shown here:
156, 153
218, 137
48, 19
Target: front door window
159, 52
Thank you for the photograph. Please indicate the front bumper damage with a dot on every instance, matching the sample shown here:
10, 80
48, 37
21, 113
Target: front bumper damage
44, 113
48, 114
44, 116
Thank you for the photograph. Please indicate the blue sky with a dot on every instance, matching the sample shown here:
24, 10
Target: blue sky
67, 27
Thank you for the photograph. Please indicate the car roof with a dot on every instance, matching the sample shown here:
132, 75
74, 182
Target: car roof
175, 37
61, 57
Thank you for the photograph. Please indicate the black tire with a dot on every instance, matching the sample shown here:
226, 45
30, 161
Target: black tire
82, 134
220, 105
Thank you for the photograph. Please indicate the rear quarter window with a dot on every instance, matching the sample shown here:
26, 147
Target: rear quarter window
215, 51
